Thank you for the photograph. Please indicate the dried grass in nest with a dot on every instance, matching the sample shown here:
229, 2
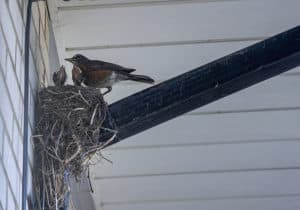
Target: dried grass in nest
69, 123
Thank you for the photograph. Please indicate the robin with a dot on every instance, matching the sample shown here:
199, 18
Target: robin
59, 77
101, 74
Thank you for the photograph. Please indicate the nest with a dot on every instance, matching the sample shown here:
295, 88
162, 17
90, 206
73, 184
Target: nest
70, 121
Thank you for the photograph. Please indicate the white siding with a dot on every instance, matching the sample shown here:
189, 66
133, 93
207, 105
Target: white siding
238, 153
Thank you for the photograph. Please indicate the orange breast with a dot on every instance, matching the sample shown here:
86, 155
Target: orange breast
97, 78
75, 73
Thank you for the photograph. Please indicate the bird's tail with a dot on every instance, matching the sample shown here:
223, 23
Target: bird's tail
140, 78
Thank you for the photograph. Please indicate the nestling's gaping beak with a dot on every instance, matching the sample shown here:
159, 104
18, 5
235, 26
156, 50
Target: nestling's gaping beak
69, 59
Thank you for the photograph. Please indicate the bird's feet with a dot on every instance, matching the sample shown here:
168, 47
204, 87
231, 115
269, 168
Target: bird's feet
107, 91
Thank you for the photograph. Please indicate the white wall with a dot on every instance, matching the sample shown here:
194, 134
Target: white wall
12, 30
239, 153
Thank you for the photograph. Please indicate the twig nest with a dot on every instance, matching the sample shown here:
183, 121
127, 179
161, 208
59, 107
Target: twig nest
68, 128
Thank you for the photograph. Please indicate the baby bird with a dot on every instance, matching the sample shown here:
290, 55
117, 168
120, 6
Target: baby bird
59, 77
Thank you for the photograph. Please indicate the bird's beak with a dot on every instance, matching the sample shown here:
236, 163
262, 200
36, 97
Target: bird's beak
69, 59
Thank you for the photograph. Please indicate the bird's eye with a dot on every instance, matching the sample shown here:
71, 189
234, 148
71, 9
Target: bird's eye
77, 57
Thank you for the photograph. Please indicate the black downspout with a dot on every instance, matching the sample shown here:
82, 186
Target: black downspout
26, 104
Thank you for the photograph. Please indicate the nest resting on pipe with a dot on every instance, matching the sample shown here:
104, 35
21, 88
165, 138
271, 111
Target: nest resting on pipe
70, 120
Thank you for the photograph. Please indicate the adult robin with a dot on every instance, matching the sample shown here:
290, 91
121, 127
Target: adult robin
59, 77
101, 74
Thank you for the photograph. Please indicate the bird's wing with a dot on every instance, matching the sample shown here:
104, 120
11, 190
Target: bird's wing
62, 74
95, 64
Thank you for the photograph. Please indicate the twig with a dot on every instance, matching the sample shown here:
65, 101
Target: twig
37, 136
93, 115
83, 98
52, 92
110, 130
52, 130
78, 109
59, 136
74, 155
89, 178
108, 160
109, 141
53, 156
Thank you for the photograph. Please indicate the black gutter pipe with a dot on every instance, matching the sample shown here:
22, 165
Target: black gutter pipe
26, 105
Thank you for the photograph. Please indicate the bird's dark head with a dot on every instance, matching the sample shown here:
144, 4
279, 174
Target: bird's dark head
77, 59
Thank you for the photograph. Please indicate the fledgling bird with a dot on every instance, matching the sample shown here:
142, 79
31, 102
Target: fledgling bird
76, 76
101, 74
59, 77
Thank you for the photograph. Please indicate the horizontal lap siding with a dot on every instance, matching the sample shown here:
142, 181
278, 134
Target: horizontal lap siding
205, 186
115, 26
237, 153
